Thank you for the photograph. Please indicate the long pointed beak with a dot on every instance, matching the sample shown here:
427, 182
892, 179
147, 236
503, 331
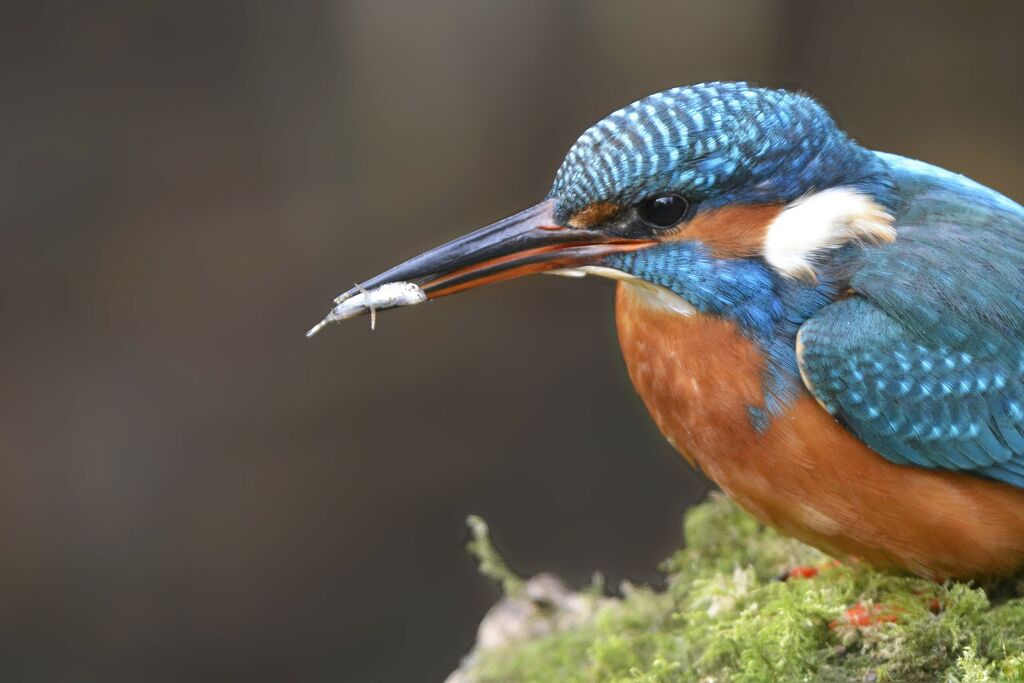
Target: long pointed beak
529, 242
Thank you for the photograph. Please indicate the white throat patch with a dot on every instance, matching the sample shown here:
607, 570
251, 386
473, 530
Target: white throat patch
820, 222
655, 295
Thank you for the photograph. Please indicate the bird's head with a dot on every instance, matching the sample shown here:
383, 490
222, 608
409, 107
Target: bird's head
712, 192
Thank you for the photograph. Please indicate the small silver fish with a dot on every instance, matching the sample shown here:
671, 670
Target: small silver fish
388, 295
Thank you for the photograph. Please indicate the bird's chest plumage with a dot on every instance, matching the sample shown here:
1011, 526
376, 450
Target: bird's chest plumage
696, 373
806, 474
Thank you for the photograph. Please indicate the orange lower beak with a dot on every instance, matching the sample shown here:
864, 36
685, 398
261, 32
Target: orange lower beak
529, 242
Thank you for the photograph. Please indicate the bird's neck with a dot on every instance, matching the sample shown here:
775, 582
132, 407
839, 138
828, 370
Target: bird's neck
744, 296
698, 374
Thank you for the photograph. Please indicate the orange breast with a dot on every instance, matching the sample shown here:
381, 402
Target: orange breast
806, 475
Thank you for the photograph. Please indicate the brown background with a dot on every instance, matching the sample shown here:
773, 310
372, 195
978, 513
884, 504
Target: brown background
189, 489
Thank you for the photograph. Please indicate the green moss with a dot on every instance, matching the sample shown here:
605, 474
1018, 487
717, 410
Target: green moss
726, 618
490, 562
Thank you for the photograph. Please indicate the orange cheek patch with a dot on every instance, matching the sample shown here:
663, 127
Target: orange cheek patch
594, 214
731, 232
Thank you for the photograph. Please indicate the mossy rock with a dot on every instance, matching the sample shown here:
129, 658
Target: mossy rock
726, 617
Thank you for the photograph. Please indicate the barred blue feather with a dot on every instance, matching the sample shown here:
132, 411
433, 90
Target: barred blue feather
720, 143
925, 363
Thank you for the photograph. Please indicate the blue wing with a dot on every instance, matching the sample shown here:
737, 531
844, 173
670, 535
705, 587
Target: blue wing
924, 361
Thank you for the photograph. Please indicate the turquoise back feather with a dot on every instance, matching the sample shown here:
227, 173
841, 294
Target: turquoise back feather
925, 363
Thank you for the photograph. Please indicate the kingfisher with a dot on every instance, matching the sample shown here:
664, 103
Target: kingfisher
834, 335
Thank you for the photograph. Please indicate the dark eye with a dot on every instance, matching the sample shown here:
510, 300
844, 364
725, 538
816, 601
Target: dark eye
664, 210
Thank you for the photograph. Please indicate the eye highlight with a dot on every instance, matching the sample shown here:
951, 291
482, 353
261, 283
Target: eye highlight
664, 210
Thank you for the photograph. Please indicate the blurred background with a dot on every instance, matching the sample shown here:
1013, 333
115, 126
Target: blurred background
190, 489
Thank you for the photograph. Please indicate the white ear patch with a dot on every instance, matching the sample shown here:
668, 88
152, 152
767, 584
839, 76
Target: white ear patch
822, 221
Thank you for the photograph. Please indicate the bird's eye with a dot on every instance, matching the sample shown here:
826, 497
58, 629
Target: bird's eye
664, 211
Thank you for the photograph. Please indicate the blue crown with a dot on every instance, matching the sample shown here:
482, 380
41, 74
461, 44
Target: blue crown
715, 142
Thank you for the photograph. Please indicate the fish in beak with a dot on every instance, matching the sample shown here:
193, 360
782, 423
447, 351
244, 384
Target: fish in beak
531, 241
